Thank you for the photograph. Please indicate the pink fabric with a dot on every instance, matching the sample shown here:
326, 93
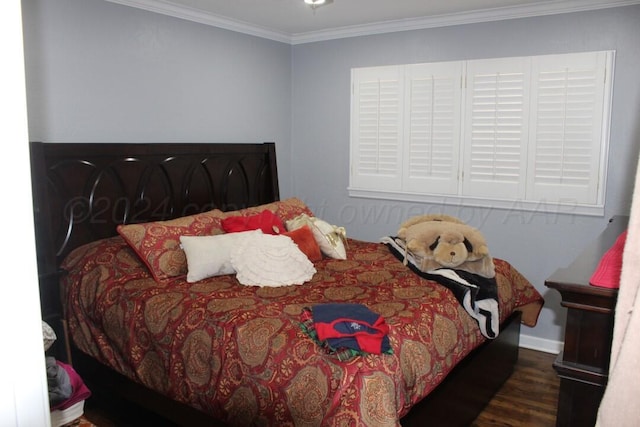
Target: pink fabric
607, 274
80, 390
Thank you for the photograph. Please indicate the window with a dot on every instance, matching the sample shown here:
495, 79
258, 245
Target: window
507, 132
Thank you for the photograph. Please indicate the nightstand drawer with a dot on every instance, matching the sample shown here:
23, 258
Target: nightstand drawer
588, 338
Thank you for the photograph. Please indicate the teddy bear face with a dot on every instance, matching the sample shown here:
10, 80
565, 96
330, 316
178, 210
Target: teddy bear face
436, 244
428, 238
450, 250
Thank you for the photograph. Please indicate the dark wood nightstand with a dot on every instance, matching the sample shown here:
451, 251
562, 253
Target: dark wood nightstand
583, 365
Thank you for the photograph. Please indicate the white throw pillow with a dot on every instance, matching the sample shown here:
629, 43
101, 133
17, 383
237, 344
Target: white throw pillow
270, 260
209, 256
329, 237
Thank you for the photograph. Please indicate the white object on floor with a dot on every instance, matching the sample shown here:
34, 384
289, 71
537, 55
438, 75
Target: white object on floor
60, 417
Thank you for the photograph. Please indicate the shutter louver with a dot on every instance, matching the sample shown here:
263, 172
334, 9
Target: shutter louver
567, 113
433, 124
496, 128
376, 137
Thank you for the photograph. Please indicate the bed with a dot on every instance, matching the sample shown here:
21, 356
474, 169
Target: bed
216, 352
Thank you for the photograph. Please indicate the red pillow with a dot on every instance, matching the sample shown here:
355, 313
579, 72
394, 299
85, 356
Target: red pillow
303, 237
266, 221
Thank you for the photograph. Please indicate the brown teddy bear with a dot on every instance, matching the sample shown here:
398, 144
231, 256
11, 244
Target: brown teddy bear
428, 217
444, 241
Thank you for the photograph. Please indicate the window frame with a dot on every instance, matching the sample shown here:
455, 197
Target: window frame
363, 186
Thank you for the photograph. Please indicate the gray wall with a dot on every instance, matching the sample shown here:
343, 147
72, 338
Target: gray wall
536, 243
99, 71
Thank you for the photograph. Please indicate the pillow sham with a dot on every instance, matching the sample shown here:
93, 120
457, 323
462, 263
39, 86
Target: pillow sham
158, 243
303, 237
330, 238
270, 260
209, 256
284, 209
266, 221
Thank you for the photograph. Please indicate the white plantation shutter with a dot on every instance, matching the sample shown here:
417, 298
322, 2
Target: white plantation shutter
432, 127
376, 132
525, 132
495, 143
567, 122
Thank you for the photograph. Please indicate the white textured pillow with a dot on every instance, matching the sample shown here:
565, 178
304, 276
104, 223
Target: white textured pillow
209, 256
329, 237
269, 260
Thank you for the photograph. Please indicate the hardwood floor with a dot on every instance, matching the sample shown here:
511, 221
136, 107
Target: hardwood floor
529, 398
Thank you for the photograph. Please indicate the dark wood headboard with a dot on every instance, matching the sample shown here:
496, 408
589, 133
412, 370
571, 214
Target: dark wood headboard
82, 191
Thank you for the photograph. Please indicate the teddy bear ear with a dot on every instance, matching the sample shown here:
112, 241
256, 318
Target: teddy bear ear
434, 245
468, 245
413, 245
482, 250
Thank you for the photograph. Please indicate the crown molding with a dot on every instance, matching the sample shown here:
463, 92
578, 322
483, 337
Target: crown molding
201, 17
486, 15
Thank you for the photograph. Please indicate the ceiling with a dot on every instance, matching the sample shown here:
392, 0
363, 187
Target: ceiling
292, 21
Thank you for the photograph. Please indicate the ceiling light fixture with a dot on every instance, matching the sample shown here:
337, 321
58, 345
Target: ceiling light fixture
314, 4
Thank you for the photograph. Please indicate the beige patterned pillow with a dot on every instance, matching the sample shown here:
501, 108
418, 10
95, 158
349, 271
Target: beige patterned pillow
158, 243
284, 209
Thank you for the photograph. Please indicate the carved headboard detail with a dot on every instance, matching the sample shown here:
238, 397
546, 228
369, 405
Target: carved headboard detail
82, 191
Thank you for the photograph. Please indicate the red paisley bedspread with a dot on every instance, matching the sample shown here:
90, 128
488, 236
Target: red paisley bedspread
239, 353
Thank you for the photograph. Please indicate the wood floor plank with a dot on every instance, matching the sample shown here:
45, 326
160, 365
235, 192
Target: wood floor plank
528, 398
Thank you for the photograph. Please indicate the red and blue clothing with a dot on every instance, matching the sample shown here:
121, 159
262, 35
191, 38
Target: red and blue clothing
354, 326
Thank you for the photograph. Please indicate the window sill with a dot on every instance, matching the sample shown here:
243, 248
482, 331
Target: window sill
565, 207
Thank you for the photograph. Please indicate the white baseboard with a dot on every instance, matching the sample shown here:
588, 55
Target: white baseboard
541, 344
